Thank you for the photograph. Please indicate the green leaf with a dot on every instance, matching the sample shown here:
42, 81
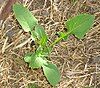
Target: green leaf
47, 50
80, 25
33, 36
37, 59
32, 85
63, 35
41, 35
24, 17
52, 73
37, 62
27, 57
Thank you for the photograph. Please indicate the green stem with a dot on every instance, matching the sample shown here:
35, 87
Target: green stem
59, 39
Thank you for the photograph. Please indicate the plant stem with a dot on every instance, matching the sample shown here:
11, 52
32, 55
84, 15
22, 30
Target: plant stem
59, 39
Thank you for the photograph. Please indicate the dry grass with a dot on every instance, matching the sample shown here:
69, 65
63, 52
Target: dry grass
77, 60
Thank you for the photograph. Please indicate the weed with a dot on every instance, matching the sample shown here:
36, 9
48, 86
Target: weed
78, 26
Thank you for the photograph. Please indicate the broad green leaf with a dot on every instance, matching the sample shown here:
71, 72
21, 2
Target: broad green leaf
52, 74
33, 36
80, 25
41, 35
24, 17
36, 62
36, 59
27, 57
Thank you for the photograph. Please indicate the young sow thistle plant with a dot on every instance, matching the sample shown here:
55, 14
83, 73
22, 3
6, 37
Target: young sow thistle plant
78, 26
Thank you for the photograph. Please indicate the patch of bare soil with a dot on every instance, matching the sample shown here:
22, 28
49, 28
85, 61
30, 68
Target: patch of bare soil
77, 60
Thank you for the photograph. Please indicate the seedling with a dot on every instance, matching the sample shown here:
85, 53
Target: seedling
78, 26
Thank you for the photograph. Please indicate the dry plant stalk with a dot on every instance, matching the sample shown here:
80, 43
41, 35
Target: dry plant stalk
6, 8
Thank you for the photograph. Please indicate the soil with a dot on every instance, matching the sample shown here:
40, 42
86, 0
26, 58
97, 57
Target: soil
77, 60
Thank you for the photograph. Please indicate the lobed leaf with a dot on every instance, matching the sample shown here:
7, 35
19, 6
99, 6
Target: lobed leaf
24, 17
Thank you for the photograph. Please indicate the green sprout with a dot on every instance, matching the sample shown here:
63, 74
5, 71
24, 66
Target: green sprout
78, 26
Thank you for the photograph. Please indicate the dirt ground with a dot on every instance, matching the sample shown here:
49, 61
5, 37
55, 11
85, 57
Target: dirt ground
77, 60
